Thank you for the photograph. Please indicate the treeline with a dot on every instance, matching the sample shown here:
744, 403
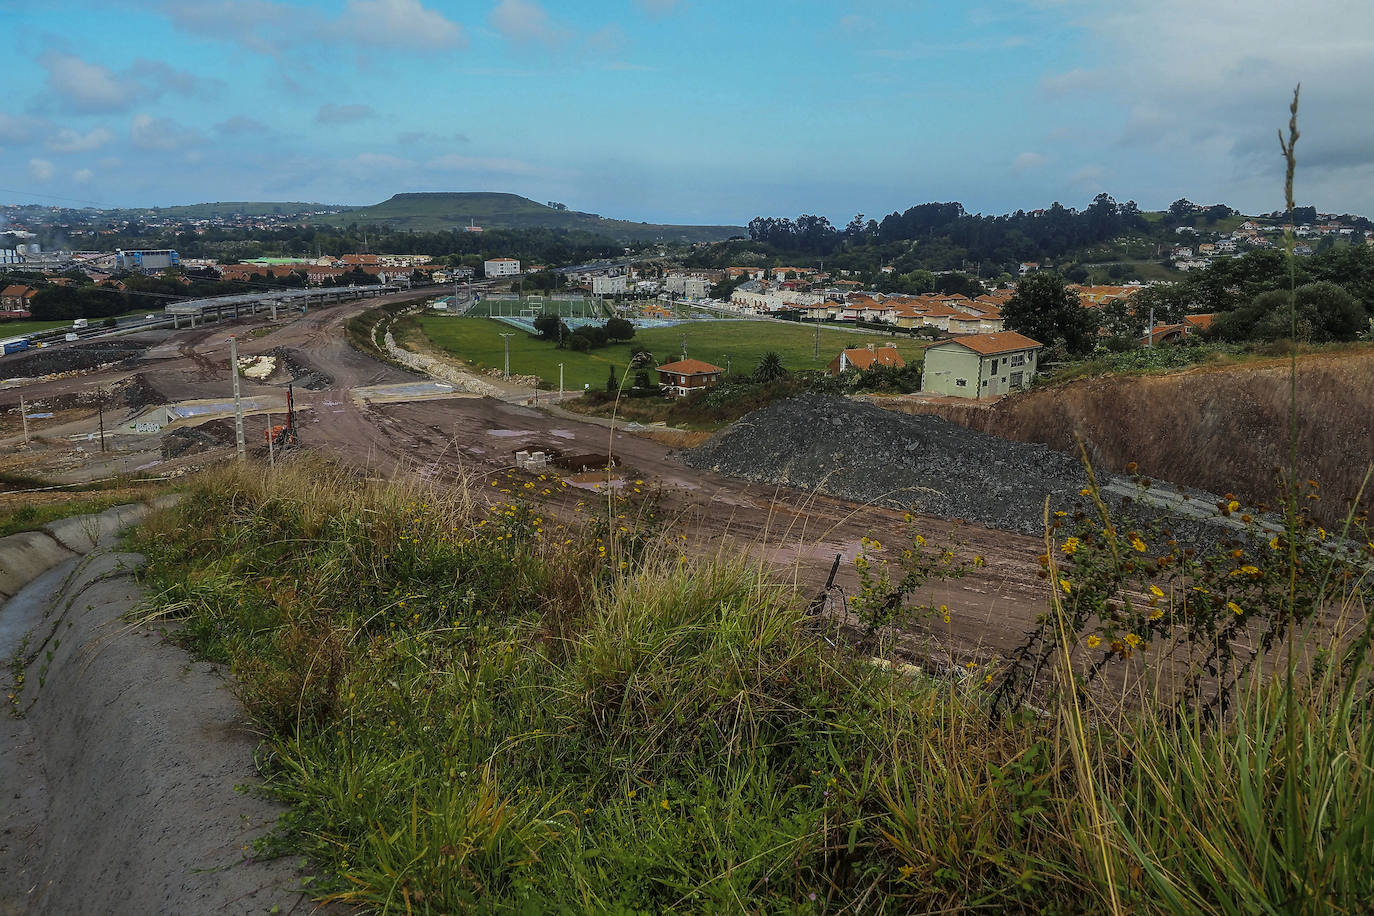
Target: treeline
1025, 236
83, 299
540, 245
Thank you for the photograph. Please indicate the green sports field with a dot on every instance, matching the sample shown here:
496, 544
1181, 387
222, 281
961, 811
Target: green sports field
739, 343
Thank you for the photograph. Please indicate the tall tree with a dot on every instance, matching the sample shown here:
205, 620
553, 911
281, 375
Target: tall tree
1045, 309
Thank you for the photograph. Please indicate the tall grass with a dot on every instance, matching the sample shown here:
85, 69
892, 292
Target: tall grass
468, 706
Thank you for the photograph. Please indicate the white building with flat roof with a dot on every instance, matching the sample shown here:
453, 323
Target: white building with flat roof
608, 286
501, 267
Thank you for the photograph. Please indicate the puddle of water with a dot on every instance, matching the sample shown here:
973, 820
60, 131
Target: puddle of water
509, 433
562, 433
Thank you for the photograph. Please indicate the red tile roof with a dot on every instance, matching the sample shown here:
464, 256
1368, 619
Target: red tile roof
990, 344
863, 358
690, 367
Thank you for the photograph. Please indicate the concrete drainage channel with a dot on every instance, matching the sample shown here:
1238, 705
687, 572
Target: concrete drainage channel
119, 755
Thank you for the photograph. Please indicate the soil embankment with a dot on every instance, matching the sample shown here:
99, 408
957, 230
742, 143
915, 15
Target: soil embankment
119, 756
1223, 429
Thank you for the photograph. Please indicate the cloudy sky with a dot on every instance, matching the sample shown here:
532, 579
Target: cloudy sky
687, 110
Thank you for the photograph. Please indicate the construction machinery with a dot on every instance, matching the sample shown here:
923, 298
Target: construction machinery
284, 436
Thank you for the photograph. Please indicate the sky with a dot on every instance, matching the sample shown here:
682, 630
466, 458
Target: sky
688, 111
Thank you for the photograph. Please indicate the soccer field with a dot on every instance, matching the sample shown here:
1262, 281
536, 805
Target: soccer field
736, 345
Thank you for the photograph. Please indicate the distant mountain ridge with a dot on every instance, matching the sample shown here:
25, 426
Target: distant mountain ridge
439, 210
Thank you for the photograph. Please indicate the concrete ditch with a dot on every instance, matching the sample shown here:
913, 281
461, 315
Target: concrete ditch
120, 757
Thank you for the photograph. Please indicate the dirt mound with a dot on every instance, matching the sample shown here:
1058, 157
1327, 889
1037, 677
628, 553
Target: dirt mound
52, 360
193, 439
302, 372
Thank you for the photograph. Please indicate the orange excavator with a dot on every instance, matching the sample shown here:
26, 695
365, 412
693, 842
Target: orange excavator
284, 436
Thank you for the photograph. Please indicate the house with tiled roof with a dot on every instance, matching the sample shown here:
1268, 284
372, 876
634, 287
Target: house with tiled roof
865, 358
980, 365
681, 378
15, 299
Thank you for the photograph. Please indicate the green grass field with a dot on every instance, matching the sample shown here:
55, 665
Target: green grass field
10, 329
738, 343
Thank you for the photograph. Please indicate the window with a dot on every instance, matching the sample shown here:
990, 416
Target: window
985, 383
1019, 359
1016, 379
961, 383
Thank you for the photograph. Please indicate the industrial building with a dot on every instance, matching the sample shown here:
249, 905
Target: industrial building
147, 261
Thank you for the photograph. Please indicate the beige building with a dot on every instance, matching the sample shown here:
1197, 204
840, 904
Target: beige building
980, 365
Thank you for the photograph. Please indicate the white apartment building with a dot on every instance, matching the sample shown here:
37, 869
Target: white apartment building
608, 286
501, 267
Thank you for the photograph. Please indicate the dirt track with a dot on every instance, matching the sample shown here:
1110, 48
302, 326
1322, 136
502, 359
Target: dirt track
800, 532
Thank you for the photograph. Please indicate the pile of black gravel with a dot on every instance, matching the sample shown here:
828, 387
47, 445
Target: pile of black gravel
863, 453
75, 358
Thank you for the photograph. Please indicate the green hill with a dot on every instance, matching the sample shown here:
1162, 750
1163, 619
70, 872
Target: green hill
451, 210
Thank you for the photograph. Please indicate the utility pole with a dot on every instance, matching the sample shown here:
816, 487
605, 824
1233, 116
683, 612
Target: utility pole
507, 336
271, 458
24, 410
1150, 329
238, 404
560, 383
100, 411
816, 354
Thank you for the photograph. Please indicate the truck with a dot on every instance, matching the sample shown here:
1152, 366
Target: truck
79, 323
14, 345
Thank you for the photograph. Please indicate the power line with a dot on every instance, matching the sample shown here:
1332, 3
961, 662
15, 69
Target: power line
75, 200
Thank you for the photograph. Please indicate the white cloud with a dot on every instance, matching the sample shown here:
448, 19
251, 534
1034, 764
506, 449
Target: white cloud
1211, 105
151, 133
82, 176
41, 170
1028, 160
526, 22
67, 140
86, 87
343, 114
17, 130
270, 26
400, 24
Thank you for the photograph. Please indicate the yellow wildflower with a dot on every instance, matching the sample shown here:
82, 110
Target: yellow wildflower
1156, 591
1094, 642
1070, 545
1137, 543
1066, 586
1234, 608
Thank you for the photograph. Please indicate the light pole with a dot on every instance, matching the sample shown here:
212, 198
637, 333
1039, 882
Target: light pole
507, 336
560, 383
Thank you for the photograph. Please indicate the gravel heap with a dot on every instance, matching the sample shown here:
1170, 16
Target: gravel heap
51, 360
866, 454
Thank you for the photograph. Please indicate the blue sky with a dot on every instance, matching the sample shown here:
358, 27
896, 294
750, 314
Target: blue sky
687, 110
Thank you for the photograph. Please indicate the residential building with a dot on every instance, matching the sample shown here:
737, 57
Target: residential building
865, 358
980, 365
683, 377
16, 298
608, 286
501, 267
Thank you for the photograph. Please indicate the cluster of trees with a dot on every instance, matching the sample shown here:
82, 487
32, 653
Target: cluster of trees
1250, 295
588, 337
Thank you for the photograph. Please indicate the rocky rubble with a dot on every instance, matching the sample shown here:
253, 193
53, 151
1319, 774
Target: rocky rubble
863, 453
